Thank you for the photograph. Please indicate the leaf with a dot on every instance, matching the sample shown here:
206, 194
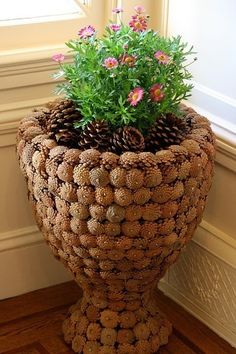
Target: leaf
58, 75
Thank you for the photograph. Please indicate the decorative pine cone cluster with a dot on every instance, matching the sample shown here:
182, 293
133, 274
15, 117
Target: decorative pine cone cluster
167, 130
127, 139
96, 135
61, 121
117, 222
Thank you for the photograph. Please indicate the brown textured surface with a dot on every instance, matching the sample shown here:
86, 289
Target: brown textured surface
117, 226
31, 324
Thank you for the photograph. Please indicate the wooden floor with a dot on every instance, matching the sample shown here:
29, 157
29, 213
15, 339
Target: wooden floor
31, 324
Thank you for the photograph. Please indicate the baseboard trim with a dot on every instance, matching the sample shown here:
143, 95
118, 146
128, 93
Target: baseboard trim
12, 113
20, 238
219, 109
197, 312
30, 268
216, 242
221, 106
203, 280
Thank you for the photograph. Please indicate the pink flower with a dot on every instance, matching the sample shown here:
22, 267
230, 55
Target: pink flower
58, 57
117, 10
156, 93
162, 57
86, 32
135, 96
114, 27
110, 63
139, 9
138, 23
127, 59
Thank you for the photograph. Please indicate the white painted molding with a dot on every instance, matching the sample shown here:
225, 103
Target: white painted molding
110, 5
225, 139
26, 57
26, 263
203, 280
222, 107
11, 113
189, 305
49, 33
216, 242
20, 238
224, 158
165, 17
224, 130
26, 269
28, 60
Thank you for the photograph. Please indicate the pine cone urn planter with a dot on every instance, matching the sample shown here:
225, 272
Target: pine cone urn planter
117, 222
118, 175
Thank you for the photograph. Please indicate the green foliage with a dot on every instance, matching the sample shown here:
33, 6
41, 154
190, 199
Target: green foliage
102, 93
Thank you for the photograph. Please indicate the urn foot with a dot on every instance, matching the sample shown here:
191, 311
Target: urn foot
95, 325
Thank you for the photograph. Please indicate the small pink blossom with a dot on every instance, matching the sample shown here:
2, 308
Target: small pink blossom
138, 23
139, 9
86, 32
110, 63
156, 93
127, 59
162, 57
117, 10
115, 27
58, 57
135, 96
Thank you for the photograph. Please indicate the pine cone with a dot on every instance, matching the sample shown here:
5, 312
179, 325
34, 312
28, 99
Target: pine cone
61, 123
96, 135
127, 139
42, 114
189, 116
167, 130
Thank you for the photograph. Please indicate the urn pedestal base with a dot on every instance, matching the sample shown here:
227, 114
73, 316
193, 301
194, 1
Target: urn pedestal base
98, 325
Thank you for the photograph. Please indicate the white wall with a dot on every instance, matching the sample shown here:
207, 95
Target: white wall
210, 26
204, 278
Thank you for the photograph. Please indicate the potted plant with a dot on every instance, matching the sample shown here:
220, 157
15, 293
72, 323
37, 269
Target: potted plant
118, 174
